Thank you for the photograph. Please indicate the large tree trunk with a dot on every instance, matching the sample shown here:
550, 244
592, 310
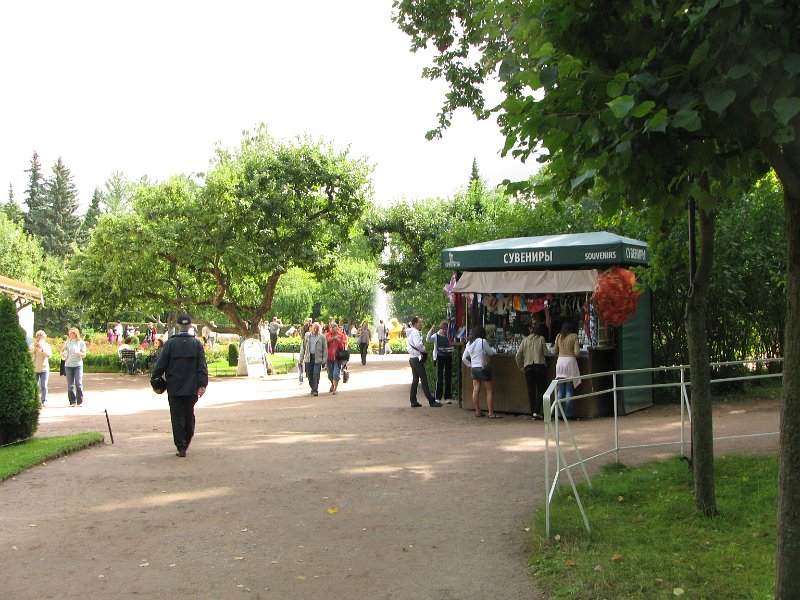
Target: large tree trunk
788, 552
696, 331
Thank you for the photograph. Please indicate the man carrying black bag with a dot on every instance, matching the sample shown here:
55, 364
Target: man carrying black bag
182, 363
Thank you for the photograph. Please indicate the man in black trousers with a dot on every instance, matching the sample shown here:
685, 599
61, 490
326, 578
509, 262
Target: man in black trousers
182, 363
417, 355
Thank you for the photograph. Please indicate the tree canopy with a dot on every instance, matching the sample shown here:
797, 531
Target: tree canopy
21, 257
348, 292
262, 209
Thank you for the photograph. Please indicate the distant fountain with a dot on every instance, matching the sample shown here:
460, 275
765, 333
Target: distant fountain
380, 304
380, 301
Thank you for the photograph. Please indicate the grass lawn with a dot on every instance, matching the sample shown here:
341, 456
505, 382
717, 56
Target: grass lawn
16, 458
648, 541
281, 364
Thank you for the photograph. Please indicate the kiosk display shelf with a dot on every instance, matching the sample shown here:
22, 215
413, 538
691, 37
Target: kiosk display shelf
506, 284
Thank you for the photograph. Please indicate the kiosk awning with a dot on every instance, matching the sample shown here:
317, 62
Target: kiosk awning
20, 290
573, 250
526, 282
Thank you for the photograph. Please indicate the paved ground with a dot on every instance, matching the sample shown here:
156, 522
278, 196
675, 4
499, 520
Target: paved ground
284, 495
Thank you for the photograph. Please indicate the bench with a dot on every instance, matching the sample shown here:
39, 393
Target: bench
129, 361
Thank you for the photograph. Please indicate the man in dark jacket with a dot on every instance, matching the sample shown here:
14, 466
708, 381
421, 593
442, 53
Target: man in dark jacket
182, 363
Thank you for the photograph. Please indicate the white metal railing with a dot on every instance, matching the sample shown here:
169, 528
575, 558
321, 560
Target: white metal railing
552, 427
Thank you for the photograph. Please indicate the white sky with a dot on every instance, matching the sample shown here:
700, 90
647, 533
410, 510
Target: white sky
148, 88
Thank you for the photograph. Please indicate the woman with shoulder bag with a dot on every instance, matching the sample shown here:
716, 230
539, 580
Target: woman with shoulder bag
476, 356
531, 360
337, 345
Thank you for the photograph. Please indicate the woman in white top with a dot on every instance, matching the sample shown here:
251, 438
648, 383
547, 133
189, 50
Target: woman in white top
73, 353
476, 356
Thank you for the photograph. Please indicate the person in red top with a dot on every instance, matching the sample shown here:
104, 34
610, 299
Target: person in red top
337, 340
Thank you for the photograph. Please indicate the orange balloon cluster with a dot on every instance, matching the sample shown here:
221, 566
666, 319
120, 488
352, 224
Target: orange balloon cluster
614, 297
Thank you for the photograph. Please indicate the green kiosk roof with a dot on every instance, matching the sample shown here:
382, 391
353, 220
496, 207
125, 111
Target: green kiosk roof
576, 250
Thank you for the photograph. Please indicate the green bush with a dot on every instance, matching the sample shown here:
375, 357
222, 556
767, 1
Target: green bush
398, 346
219, 352
288, 344
233, 354
19, 396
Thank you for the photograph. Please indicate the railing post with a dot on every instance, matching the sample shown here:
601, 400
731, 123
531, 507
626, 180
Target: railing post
547, 469
616, 419
683, 411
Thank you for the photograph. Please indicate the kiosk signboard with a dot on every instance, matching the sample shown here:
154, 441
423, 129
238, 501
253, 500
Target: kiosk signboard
585, 250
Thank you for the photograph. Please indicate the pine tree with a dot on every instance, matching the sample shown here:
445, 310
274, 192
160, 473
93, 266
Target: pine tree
12, 210
475, 176
92, 214
62, 223
35, 197
476, 188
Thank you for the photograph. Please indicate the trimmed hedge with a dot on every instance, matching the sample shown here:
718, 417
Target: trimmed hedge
233, 354
19, 395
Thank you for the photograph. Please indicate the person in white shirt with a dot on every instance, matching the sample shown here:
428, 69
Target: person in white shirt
476, 356
382, 332
417, 355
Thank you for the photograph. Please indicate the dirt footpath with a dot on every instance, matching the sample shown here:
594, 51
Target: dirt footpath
289, 496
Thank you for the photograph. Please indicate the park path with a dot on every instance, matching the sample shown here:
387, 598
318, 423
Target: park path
289, 496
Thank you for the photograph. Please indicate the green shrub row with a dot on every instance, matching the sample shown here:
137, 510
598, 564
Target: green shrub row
105, 363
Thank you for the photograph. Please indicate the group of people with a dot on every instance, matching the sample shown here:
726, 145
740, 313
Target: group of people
119, 333
530, 358
326, 346
180, 366
72, 355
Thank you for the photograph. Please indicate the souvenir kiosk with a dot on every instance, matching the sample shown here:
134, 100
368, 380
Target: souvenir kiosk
507, 284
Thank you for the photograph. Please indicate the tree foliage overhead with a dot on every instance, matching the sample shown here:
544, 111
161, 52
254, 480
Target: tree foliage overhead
655, 102
263, 208
600, 90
